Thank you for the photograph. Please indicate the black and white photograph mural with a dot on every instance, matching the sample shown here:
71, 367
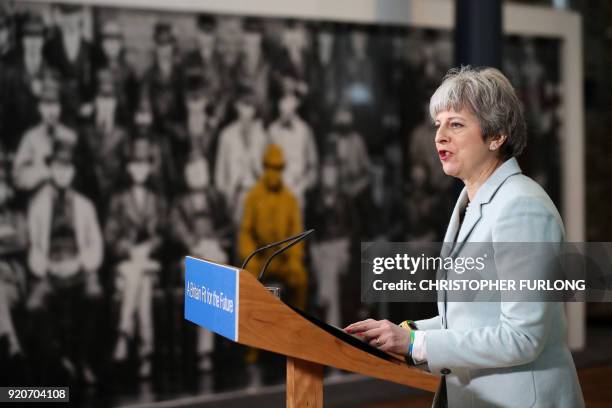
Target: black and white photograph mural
131, 138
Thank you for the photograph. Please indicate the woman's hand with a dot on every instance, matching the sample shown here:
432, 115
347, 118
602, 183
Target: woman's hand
382, 334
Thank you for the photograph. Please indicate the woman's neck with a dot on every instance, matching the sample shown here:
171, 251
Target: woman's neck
481, 175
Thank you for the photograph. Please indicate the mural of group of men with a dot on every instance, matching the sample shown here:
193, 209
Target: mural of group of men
109, 175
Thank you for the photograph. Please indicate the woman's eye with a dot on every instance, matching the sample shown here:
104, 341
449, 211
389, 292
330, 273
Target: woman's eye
456, 125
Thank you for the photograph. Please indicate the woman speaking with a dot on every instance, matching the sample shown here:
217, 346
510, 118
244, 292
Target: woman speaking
504, 354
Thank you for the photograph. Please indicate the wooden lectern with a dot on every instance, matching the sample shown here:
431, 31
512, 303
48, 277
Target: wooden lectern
265, 322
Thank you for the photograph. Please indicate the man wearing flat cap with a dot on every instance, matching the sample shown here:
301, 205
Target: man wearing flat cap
241, 146
134, 233
30, 168
291, 70
162, 86
360, 86
198, 132
7, 50
324, 77
253, 70
111, 56
105, 139
7, 60
65, 254
70, 54
205, 57
329, 211
161, 169
163, 79
13, 245
295, 137
33, 60
199, 222
23, 82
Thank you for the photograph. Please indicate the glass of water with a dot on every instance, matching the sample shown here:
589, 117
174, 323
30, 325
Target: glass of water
275, 290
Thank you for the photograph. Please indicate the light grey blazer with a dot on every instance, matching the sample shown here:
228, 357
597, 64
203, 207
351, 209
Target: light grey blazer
503, 354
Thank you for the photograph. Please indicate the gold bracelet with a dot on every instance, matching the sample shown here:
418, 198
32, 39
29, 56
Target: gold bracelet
408, 325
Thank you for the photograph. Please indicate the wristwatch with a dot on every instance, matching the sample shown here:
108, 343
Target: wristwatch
408, 324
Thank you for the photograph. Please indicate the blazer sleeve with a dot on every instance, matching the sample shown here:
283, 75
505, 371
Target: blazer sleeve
523, 327
429, 324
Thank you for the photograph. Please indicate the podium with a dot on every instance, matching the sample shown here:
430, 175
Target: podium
231, 302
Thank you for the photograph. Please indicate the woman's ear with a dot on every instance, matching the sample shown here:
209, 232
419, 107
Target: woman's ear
496, 142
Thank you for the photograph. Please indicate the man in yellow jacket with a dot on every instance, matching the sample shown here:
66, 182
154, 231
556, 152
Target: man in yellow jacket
272, 213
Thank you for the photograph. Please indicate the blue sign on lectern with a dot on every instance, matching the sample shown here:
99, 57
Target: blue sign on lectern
211, 296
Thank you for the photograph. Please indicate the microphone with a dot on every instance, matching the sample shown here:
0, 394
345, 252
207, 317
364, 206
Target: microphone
293, 240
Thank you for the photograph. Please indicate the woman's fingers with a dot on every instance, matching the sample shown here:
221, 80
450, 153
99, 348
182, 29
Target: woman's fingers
360, 326
374, 333
360, 322
378, 333
368, 324
380, 341
386, 336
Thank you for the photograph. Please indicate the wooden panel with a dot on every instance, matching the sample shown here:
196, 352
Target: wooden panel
304, 384
267, 323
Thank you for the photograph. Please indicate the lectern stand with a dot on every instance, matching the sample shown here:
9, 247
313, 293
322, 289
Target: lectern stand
231, 302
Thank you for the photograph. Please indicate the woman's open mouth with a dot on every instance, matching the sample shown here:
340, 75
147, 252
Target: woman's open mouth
444, 154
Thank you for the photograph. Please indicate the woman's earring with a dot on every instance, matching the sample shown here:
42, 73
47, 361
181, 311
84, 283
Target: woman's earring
492, 148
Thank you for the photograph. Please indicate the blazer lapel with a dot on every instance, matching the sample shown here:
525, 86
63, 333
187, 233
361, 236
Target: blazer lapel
453, 226
471, 218
447, 247
484, 196
457, 234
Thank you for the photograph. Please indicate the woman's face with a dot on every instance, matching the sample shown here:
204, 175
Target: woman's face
460, 145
